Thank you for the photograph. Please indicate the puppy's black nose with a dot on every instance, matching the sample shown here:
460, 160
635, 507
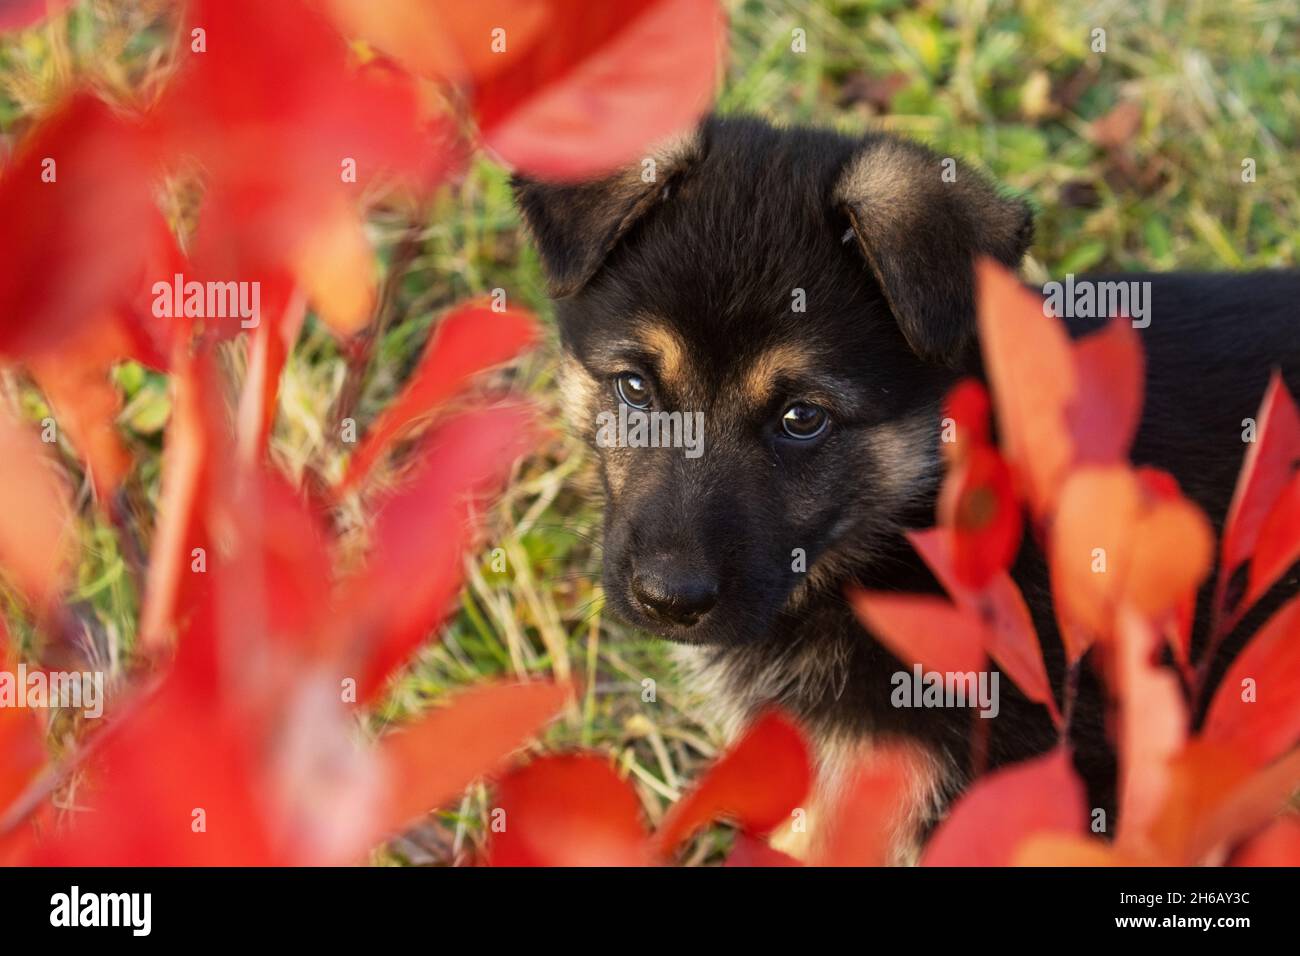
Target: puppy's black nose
672, 594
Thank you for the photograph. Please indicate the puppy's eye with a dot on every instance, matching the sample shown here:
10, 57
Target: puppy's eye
633, 389
804, 422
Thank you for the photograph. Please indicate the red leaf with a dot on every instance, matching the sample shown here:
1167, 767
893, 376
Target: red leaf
1059, 404
197, 460
273, 538
1105, 413
1278, 845
81, 233
1278, 546
924, 630
407, 587
37, 528
450, 747
607, 81
1269, 465
1152, 730
1010, 636
1267, 723
22, 752
568, 811
175, 785
86, 405
1217, 798
875, 814
755, 784
20, 14
269, 346
447, 41
1068, 849
967, 406
290, 133
82, 236
1038, 796
1032, 374
978, 505
1112, 542
468, 340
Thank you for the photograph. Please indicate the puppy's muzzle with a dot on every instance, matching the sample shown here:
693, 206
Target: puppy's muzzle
671, 593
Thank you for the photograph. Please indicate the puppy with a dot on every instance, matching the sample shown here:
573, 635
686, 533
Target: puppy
808, 298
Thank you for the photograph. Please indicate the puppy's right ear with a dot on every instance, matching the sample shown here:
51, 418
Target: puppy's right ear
576, 225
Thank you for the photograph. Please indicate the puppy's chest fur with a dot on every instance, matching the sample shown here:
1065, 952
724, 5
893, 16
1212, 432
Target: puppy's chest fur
811, 679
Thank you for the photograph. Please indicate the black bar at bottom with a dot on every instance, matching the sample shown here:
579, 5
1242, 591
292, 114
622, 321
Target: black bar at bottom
331, 906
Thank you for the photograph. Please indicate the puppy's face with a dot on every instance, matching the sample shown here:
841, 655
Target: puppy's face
766, 423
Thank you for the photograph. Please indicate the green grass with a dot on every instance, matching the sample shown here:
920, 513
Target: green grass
1011, 86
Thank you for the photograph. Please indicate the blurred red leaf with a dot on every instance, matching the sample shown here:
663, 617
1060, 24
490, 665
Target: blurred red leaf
1042, 795
37, 529
609, 80
22, 752
1068, 849
82, 236
1278, 545
1032, 374
967, 406
289, 133
447, 40
407, 587
563, 89
978, 506
174, 785
86, 405
567, 811
1268, 467
1152, 729
1217, 797
756, 784
448, 748
19, 14
1010, 638
1105, 413
876, 813
82, 232
925, 630
1261, 720
1173, 550
1059, 404
268, 348
1276, 845
471, 338
194, 448
1113, 542
274, 539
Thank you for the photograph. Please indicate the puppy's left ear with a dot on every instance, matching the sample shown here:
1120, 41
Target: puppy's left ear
920, 220
575, 226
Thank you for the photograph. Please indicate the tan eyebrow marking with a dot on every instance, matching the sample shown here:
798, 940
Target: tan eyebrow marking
779, 362
668, 345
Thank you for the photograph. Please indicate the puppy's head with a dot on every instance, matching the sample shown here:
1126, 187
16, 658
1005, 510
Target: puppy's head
803, 298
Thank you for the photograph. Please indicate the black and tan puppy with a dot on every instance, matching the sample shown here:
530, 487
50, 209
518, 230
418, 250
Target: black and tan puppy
811, 296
